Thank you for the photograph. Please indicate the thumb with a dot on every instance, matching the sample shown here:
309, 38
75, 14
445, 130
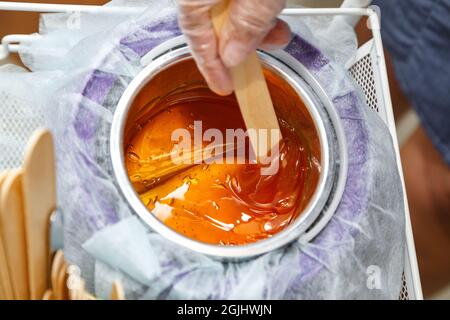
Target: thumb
248, 24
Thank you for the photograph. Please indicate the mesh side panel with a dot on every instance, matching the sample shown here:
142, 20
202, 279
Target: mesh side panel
404, 292
363, 74
18, 120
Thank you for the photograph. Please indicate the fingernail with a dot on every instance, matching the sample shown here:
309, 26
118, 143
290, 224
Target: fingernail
234, 53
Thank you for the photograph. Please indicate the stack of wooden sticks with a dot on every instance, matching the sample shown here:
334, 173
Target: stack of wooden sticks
67, 284
27, 200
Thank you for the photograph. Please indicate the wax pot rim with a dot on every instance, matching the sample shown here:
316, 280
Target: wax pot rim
331, 180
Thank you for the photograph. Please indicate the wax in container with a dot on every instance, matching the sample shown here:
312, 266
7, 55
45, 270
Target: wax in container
188, 160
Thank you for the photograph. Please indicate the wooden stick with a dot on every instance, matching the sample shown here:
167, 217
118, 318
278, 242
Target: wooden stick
6, 291
57, 264
81, 290
12, 224
48, 295
39, 190
88, 296
251, 91
58, 261
61, 282
117, 292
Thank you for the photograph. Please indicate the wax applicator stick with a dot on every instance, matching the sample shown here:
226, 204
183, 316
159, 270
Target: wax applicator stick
12, 226
6, 290
39, 190
251, 92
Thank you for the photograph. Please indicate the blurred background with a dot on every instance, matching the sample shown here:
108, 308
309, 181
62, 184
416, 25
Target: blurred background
407, 125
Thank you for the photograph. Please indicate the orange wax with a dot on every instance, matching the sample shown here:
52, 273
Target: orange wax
227, 204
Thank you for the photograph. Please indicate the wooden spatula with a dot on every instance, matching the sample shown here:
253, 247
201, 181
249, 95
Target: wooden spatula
12, 225
117, 292
57, 265
48, 295
6, 291
61, 282
39, 190
251, 90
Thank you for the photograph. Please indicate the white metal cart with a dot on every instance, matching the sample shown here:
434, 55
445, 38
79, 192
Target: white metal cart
367, 67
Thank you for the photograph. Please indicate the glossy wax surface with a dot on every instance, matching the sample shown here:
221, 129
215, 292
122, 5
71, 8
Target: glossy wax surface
217, 203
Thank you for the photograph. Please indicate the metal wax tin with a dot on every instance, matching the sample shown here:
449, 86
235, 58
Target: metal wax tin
326, 121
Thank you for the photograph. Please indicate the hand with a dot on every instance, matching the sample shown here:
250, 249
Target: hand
252, 24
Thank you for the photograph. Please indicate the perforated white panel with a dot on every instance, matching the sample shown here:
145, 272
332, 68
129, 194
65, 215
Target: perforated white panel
363, 73
18, 120
404, 292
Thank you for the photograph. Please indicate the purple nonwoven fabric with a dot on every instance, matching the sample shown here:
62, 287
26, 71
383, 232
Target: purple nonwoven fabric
366, 232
